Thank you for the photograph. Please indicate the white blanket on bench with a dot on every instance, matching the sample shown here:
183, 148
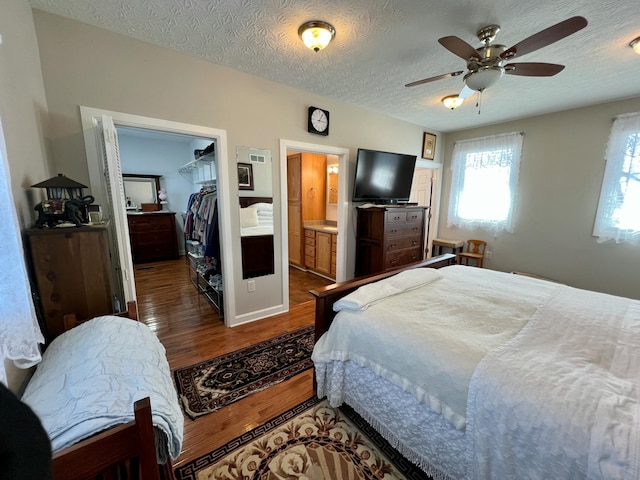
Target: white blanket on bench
90, 377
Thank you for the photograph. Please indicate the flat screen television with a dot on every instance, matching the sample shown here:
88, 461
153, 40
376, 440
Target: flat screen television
383, 177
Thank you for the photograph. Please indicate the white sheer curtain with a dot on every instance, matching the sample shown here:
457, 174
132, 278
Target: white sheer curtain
618, 216
484, 182
19, 330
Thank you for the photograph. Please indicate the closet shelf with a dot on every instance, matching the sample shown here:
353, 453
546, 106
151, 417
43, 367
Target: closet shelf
209, 158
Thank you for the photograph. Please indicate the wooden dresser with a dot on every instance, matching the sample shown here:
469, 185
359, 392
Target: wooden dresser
388, 237
72, 270
153, 236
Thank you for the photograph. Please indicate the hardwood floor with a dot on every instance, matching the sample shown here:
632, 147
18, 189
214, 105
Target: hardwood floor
191, 331
300, 282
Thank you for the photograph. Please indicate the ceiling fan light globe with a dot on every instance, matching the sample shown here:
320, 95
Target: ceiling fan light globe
483, 78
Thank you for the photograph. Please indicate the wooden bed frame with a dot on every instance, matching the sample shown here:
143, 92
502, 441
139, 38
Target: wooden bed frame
124, 451
327, 296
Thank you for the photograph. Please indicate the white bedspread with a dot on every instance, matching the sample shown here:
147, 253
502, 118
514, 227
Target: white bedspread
434, 345
90, 377
561, 399
557, 397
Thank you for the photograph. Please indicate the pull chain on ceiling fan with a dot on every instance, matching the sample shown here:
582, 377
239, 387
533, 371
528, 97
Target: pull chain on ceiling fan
487, 64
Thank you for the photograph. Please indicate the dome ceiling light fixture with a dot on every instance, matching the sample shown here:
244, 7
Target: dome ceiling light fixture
452, 101
635, 44
316, 34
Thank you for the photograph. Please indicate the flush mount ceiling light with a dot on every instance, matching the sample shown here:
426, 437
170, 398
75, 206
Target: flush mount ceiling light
635, 44
316, 34
452, 101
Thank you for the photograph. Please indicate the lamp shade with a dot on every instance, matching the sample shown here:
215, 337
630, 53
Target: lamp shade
317, 34
61, 187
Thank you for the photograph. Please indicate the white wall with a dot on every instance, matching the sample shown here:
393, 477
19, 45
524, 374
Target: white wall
560, 178
23, 110
117, 73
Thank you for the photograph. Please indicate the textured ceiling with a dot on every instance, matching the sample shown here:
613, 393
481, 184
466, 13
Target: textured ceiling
381, 45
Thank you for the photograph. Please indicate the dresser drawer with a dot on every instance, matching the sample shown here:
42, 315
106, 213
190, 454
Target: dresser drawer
310, 250
309, 262
402, 257
310, 241
400, 243
402, 229
395, 217
151, 224
151, 238
310, 234
415, 215
143, 253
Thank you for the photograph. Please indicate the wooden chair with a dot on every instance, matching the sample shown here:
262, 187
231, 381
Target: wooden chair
475, 251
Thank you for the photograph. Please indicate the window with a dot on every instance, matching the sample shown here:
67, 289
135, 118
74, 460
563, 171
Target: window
484, 180
618, 216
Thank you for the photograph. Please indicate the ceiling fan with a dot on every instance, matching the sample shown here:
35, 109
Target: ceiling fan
487, 64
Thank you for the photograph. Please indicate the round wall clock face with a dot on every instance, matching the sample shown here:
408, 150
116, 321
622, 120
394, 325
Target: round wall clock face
318, 121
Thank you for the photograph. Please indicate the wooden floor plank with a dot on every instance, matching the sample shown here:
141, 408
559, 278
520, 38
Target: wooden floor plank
191, 331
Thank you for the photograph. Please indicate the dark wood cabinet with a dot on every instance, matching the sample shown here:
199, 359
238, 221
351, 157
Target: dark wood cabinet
153, 236
388, 237
73, 274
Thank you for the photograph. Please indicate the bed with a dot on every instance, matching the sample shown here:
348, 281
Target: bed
256, 231
477, 374
104, 393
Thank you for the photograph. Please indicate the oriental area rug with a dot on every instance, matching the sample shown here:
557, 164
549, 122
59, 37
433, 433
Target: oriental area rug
207, 386
312, 441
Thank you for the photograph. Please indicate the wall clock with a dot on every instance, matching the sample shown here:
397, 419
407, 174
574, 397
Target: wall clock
318, 121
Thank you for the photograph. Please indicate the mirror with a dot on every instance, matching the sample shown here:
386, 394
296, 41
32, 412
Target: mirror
141, 192
332, 184
255, 188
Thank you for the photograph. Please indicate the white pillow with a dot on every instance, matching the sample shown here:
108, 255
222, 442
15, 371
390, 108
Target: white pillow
248, 217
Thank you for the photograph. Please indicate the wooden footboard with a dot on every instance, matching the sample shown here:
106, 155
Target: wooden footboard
327, 296
131, 444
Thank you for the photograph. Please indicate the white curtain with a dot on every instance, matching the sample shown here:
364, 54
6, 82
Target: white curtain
19, 330
484, 182
618, 216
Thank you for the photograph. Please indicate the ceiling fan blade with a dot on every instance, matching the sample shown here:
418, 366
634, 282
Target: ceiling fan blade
459, 47
546, 37
466, 92
533, 69
433, 79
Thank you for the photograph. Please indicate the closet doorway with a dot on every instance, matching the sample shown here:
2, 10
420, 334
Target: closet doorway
137, 130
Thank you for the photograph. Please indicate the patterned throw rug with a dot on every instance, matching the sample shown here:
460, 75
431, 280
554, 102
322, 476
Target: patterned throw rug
312, 441
207, 386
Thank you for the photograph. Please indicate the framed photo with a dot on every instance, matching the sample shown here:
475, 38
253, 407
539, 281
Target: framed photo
95, 218
245, 176
429, 146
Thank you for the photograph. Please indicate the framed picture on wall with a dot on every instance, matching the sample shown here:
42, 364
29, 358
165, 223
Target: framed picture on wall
245, 176
429, 146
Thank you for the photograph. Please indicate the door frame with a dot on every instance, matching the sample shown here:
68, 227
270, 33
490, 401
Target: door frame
91, 118
343, 206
